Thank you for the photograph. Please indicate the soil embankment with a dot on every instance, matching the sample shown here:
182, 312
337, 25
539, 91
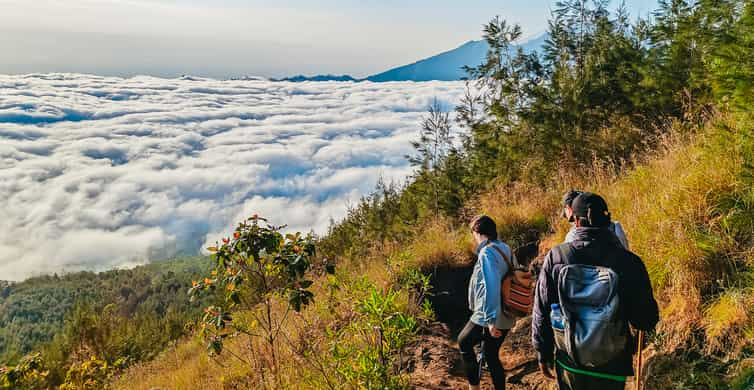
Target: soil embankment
436, 361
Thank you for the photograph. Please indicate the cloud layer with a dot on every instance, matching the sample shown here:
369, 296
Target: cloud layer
99, 172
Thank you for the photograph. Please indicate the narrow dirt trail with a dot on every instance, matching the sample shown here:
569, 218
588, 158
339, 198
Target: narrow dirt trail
436, 361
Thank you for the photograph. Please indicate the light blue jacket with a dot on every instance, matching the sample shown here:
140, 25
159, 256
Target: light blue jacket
484, 286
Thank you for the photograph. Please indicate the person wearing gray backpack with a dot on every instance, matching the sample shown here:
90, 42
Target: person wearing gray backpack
590, 293
567, 213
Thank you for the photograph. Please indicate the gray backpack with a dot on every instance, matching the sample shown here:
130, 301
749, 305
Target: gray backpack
594, 333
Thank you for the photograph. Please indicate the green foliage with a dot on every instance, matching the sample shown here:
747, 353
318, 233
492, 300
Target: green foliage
677, 51
386, 215
701, 48
32, 312
384, 330
29, 373
254, 268
733, 43
127, 315
436, 182
558, 108
90, 374
745, 380
111, 337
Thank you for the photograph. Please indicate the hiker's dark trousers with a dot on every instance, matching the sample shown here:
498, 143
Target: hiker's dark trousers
571, 381
471, 335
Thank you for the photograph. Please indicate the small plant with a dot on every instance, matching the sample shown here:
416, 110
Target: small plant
29, 373
384, 329
256, 267
91, 374
745, 380
419, 288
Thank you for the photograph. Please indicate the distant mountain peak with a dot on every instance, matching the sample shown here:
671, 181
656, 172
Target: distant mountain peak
445, 66
448, 66
319, 77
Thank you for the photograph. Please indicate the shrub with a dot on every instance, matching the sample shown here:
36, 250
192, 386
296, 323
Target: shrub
256, 267
27, 374
384, 329
90, 374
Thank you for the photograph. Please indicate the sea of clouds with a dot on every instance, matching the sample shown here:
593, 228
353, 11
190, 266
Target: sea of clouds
103, 172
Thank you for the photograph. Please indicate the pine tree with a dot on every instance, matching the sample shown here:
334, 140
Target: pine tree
434, 145
733, 58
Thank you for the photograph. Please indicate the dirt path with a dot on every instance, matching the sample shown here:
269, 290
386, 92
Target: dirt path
436, 362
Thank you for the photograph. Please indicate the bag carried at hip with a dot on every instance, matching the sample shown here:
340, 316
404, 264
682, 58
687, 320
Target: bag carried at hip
516, 288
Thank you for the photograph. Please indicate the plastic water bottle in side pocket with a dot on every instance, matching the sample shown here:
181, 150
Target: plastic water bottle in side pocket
558, 325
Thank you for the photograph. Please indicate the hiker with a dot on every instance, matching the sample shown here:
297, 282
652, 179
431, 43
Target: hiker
488, 324
588, 292
567, 213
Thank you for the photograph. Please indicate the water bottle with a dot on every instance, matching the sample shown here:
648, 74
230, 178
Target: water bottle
556, 317
558, 326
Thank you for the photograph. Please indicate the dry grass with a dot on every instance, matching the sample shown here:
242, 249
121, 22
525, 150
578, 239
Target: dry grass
672, 205
185, 366
304, 350
669, 207
726, 321
438, 244
522, 212
668, 210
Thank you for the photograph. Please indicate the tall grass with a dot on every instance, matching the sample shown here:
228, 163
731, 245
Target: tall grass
679, 221
522, 212
350, 337
688, 211
439, 244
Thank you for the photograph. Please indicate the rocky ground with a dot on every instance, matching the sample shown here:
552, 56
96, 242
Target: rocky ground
436, 362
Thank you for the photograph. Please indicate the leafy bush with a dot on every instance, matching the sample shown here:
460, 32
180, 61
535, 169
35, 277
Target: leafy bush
255, 267
34, 312
384, 331
90, 374
29, 373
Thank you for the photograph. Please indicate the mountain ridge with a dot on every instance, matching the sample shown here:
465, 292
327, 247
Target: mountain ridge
444, 66
448, 65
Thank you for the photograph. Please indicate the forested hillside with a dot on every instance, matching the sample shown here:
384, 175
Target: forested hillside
654, 114
130, 313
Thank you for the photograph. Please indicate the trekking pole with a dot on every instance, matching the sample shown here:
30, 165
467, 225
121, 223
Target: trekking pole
638, 361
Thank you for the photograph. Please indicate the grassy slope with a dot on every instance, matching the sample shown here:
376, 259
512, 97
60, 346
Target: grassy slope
688, 210
689, 214
333, 321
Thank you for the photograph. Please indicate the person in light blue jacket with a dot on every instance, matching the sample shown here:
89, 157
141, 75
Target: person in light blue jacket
488, 324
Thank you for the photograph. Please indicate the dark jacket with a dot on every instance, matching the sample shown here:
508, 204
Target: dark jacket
595, 246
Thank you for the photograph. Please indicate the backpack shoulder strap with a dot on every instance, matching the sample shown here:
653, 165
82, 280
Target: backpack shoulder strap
505, 257
565, 253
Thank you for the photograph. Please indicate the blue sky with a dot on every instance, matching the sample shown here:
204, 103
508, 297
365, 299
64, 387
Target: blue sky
224, 38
